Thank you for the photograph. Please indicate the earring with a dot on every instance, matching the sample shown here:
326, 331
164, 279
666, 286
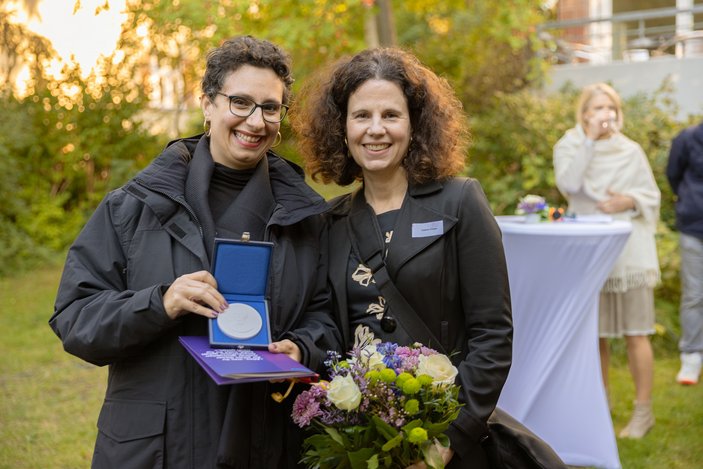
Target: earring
276, 143
206, 127
410, 148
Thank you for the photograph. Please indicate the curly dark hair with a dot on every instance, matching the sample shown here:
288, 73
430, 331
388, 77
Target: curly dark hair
440, 132
245, 50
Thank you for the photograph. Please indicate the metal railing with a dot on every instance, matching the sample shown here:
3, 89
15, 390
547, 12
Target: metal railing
624, 36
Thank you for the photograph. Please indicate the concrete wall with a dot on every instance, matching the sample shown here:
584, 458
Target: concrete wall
631, 77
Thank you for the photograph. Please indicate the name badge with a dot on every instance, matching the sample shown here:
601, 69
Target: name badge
423, 230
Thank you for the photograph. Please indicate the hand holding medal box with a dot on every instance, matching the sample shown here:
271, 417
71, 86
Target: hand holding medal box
241, 268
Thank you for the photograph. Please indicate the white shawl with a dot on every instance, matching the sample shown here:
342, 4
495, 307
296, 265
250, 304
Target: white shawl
585, 174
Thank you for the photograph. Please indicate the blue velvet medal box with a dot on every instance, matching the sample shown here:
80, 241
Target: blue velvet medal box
241, 269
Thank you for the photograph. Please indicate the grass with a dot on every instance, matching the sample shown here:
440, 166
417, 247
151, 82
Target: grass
49, 400
676, 441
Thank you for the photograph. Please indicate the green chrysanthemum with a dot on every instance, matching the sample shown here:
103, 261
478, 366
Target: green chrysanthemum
387, 375
411, 386
412, 406
425, 380
402, 378
417, 435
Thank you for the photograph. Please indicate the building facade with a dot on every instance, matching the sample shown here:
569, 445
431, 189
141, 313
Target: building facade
636, 45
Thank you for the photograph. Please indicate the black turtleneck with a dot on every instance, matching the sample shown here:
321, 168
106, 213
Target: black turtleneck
225, 185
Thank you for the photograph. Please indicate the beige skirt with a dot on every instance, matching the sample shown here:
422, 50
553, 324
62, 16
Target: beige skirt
629, 313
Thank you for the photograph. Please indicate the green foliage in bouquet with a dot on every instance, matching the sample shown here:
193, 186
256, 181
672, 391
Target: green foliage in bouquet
386, 406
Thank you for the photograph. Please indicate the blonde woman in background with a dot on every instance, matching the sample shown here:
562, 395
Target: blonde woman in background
600, 170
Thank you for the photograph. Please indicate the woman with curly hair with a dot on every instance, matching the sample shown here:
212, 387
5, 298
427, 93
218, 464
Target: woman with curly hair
138, 277
413, 236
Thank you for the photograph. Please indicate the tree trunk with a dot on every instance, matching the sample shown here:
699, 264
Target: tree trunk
386, 24
370, 27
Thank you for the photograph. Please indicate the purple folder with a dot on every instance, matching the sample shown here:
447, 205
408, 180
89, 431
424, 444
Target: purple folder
231, 366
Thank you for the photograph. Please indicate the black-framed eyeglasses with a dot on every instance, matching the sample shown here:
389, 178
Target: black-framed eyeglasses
245, 107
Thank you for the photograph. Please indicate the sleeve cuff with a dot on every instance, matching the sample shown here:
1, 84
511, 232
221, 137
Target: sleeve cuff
465, 433
155, 304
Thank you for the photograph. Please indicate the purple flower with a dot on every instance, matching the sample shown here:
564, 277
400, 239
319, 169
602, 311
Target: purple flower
307, 406
531, 204
387, 348
408, 358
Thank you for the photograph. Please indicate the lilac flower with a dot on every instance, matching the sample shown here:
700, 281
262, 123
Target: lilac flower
333, 417
332, 359
408, 358
307, 406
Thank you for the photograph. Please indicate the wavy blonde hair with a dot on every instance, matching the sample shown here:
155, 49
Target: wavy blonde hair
590, 92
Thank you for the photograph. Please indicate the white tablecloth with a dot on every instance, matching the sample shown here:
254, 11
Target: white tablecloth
555, 387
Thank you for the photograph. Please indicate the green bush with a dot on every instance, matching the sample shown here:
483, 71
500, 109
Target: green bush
62, 148
512, 150
49, 223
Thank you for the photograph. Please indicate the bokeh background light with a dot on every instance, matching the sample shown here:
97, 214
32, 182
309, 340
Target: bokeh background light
81, 35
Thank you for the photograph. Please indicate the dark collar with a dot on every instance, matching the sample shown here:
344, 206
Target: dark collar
341, 206
167, 175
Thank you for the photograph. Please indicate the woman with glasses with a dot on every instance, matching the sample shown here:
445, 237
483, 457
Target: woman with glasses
383, 119
137, 278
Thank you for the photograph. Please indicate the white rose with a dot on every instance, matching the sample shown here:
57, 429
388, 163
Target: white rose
438, 367
533, 199
344, 393
371, 357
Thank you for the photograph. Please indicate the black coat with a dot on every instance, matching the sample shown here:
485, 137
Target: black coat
161, 409
685, 174
456, 281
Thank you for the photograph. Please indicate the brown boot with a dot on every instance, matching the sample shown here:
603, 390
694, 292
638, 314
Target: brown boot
641, 422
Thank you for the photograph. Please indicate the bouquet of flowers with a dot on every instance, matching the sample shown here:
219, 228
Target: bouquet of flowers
385, 406
531, 204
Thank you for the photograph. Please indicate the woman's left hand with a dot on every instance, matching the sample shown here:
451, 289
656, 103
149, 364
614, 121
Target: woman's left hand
616, 203
288, 347
446, 453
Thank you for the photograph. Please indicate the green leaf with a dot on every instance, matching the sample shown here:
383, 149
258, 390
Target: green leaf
372, 462
358, 458
443, 439
335, 435
412, 424
435, 429
393, 442
430, 452
386, 430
